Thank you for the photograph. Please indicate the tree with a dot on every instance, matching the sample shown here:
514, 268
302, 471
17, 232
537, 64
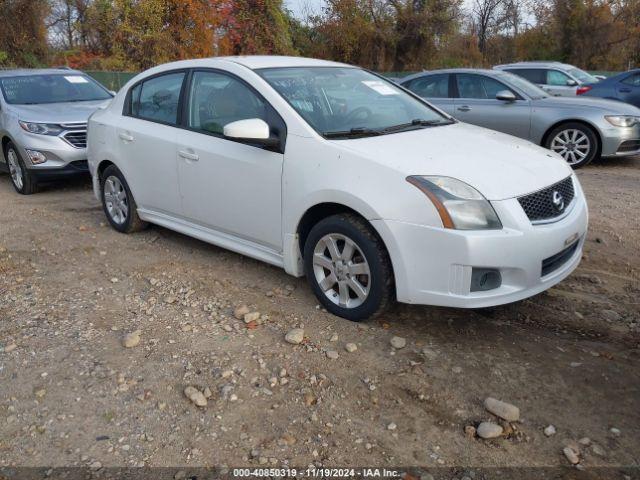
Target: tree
23, 36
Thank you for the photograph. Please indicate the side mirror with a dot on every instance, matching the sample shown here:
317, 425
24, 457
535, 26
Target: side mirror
254, 130
506, 96
571, 83
113, 92
600, 77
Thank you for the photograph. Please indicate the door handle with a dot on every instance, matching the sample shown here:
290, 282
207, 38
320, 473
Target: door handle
464, 108
625, 90
125, 137
194, 157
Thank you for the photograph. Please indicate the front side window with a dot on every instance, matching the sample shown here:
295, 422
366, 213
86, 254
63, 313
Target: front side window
525, 86
157, 99
557, 79
345, 102
217, 99
51, 88
478, 86
433, 86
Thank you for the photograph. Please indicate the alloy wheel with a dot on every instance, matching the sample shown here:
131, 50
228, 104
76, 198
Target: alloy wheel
15, 170
341, 270
573, 144
115, 199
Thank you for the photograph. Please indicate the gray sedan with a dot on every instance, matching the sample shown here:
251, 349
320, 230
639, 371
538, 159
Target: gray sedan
579, 129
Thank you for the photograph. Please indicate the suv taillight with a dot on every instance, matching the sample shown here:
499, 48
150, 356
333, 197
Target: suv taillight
582, 90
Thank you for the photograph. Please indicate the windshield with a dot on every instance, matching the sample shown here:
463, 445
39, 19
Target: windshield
525, 86
583, 76
51, 88
349, 102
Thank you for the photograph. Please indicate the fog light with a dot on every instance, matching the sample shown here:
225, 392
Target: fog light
483, 279
36, 157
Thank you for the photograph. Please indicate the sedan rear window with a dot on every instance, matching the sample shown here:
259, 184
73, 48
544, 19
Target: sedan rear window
51, 88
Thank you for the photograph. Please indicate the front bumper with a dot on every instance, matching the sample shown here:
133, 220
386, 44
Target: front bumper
433, 266
620, 142
62, 158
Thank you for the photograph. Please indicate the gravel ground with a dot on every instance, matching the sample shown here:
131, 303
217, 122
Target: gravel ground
73, 292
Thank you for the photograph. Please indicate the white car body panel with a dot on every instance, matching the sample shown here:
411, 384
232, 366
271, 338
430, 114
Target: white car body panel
251, 201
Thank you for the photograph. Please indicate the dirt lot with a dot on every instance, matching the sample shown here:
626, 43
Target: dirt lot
72, 395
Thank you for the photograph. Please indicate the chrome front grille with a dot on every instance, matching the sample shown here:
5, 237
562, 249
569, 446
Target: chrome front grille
75, 135
549, 203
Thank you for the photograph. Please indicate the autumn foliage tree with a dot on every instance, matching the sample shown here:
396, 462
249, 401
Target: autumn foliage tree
384, 35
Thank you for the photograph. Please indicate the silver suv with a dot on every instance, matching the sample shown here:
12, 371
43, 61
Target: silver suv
43, 124
558, 79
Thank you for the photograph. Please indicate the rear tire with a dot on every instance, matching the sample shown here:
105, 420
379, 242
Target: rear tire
118, 203
576, 142
348, 267
21, 178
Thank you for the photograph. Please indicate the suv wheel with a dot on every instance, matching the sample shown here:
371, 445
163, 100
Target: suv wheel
21, 178
348, 267
118, 203
575, 142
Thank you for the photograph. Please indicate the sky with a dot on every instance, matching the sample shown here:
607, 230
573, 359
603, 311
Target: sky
301, 8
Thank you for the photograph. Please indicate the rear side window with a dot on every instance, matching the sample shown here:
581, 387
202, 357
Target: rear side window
157, 99
633, 80
534, 75
217, 99
478, 86
433, 86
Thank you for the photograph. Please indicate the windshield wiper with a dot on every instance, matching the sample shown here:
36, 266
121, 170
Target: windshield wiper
417, 123
354, 132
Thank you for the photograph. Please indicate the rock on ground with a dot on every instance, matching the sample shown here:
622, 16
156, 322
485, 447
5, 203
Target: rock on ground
398, 342
295, 336
501, 409
131, 339
489, 430
196, 396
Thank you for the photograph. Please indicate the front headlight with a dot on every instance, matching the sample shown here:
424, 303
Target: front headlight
622, 120
460, 206
41, 128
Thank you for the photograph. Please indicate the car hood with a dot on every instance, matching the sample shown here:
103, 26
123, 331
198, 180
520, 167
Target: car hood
610, 106
69, 112
499, 166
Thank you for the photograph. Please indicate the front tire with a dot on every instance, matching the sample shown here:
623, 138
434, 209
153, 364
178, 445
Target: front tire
118, 203
577, 143
21, 178
348, 267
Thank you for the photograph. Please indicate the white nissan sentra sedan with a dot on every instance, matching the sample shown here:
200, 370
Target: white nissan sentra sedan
332, 172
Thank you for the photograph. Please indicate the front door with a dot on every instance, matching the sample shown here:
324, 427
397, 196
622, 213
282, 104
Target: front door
477, 104
226, 185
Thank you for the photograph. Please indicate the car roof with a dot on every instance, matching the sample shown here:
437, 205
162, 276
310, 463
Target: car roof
484, 71
539, 64
278, 61
23, 72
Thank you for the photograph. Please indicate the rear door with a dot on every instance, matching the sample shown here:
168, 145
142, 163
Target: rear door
476, 103
628, 89
435, 89
146, 136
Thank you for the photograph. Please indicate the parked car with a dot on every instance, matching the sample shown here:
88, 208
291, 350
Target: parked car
43, 124
624, 87
332, 172
580, 129
558, 79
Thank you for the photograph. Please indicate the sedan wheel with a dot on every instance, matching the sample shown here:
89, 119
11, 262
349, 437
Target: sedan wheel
348, 267
15, 170
573, 145
341, 270
115, 200
576, 142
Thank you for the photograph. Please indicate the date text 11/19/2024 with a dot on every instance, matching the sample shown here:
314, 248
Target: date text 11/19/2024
317, 472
